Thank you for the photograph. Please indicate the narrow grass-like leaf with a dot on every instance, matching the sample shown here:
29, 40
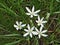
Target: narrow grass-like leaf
12, 43
8, 9
57, 12
9, 35
51, 6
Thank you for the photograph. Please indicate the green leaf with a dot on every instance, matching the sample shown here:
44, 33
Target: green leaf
8, 9
12, 43
9, 35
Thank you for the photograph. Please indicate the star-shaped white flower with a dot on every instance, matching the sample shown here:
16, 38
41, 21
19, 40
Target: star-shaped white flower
32, 13
29, 31
41, 32
40, 21
19, 25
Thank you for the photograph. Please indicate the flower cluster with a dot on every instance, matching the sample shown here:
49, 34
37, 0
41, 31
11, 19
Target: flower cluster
32, 30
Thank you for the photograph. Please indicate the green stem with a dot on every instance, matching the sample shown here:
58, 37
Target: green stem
31, 23
28, 41
36, 41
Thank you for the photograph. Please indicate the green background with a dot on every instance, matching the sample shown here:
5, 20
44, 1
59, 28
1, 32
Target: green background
14, 10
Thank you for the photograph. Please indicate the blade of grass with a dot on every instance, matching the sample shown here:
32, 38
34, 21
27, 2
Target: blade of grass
9, 35
8, 9
13, 43
22, 11
5, 29
51, 7
57, 12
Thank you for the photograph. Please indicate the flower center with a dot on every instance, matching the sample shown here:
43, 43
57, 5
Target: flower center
32, 13
19, 26
40, 22
30, 31
39, 33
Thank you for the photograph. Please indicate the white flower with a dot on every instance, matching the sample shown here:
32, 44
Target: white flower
29, 31
19, 25
40, 21
32, 13
40, 32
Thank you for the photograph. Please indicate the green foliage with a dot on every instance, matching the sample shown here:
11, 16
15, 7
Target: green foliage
13, 10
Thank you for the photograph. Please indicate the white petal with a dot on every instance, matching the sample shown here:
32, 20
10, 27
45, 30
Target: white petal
42, 25
42, 18
28, 9
28, 13
44, 31
34, 33
31, 35
44, 35
33, 9
38, 18
36, 29
39, 36
20, 23
41, 28
44, 22
37, 11
17, 23
25, 34
39, 24
32, 28
36, 21
28, 26
31, 16
26, 30
35, 14
23, 25
15, 26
